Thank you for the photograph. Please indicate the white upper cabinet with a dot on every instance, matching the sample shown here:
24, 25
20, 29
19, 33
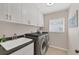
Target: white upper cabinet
37, 16
15, 12
32, 15
26, 13
41, 20
11, 12
4, 11
22, 13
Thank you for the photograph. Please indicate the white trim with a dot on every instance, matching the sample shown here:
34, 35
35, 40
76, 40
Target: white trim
62, 49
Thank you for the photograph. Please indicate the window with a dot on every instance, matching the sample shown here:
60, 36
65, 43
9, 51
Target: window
56, 25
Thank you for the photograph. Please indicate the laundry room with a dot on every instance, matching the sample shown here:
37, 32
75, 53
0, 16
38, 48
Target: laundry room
39, 28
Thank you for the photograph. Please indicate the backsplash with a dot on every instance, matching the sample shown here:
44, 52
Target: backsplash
8, 29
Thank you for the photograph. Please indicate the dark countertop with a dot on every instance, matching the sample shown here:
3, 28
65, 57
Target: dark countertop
36, 34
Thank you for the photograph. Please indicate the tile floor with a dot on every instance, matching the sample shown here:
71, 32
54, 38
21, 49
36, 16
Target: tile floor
54, 51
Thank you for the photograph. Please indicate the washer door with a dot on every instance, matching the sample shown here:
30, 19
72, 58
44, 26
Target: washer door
44, 46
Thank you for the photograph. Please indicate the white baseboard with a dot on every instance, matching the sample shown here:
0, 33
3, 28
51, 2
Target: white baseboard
62, 49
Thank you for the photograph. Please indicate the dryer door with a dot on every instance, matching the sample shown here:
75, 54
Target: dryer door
42, 45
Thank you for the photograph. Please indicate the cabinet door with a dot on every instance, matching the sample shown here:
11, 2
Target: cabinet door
19, 13
33, 17
40, 19
25, 13
4, 11
14, 11
37, 16
29, 14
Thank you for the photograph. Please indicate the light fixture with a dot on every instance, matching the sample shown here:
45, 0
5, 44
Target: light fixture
49, 4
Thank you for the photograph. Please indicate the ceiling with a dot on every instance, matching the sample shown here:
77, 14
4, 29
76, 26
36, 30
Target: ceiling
53, 8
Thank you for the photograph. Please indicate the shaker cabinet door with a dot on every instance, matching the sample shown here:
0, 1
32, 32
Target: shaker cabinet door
41, 20
25, 13
33, 17
3, 11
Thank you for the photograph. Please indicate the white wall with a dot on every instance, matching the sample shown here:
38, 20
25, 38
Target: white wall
59, 40
10, 28
73, 32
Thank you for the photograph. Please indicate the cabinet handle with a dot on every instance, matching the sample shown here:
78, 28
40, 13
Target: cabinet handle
7, 16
